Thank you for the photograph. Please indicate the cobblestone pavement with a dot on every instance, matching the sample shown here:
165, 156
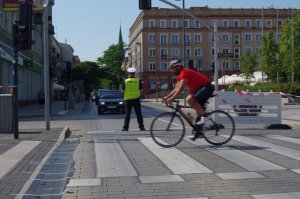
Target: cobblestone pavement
109, 163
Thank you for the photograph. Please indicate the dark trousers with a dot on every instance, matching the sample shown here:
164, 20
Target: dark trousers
136, 104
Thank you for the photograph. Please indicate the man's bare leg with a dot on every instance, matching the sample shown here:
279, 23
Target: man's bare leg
195, 105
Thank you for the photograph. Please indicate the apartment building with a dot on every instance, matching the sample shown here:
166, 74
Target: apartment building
162, 34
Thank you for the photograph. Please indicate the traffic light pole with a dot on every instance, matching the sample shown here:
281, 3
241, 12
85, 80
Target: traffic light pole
46, 69
15, 94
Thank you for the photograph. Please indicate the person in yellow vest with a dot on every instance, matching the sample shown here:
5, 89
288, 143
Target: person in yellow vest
132, 96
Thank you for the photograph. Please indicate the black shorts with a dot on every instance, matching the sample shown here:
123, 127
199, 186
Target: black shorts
203, 93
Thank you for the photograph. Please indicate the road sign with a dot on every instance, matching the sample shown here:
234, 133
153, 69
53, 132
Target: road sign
13, 5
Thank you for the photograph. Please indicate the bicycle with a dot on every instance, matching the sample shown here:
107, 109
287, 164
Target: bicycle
168, 129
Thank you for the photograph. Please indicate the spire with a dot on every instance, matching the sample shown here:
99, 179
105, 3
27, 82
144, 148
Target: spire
120, 36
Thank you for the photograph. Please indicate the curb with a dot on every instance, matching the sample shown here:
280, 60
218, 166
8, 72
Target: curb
63, 135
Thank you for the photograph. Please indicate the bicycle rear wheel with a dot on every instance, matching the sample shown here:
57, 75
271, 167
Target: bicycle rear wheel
219, 127
167, 129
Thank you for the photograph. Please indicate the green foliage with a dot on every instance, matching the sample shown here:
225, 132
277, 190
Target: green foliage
111, 63
248, 63
90, 73
289, 48
268, 56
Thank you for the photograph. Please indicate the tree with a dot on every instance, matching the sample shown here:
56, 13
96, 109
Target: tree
111, 63
269, 56
248, 63
289, 48
90, 73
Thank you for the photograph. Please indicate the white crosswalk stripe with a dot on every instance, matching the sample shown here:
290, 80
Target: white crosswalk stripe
245, 160
291, 153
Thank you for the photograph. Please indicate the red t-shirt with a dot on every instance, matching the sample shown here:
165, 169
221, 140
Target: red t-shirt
194, 78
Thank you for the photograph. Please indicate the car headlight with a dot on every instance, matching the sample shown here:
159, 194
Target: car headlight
121, 103
102, 103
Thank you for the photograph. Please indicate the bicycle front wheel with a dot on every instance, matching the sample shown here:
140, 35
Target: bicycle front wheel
167, 129
219, 127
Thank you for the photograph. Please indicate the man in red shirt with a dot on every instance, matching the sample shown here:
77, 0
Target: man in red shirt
199, 85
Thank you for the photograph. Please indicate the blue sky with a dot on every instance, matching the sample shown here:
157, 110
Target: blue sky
91, 26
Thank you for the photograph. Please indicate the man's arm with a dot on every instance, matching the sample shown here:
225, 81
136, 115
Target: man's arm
179, 87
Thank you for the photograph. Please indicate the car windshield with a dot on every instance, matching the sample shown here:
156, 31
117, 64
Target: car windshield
111, 94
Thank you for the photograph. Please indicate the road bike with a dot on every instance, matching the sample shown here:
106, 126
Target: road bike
168, 129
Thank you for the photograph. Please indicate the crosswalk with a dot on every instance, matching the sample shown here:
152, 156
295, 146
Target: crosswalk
112, 160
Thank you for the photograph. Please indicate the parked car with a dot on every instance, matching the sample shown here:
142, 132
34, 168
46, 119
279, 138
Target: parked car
98, 93
111, 101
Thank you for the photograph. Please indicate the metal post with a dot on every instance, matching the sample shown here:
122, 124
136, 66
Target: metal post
46, 68
184, 55
216, 57
15, 95
156, 76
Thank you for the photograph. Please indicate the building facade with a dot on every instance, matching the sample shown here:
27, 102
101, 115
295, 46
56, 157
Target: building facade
30, 62
160, 35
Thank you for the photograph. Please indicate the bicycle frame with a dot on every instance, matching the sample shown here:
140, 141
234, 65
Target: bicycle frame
178, 108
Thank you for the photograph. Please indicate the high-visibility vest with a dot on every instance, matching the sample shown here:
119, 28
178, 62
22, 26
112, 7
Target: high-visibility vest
132, 88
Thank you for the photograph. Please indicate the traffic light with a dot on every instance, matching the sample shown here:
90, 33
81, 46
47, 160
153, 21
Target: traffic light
145, 4
22, 29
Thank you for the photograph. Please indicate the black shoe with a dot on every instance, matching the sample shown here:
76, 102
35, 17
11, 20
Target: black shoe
142, 129
124, 129
195, 136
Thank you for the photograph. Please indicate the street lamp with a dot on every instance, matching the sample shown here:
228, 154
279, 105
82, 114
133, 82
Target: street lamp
44, 4
140, 52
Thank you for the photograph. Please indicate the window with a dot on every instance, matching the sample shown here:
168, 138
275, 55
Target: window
163, 84
163, 66
236, 39
151, 23
186, 23
225, 65
248, 37
187, 53
197, 24
258, 37
152, 66
225, 23
269, 23
175, 53
198, 52
151, 38
247, 23
163, 24
152, 84
152, 52
175, 40
212, 51
236, 53
225, 37
225, 50
257, 51
197, 37
236, 23
279, 23
164, 53
258, 23
187, 39
174, 24
237, 65
163, 39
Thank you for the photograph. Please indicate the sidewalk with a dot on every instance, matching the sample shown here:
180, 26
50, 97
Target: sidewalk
57, 108
19, 158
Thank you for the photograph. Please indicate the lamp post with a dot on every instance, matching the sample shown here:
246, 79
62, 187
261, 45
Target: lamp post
140, 54
44, 4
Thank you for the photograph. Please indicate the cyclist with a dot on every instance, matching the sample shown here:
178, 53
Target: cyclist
199, 85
